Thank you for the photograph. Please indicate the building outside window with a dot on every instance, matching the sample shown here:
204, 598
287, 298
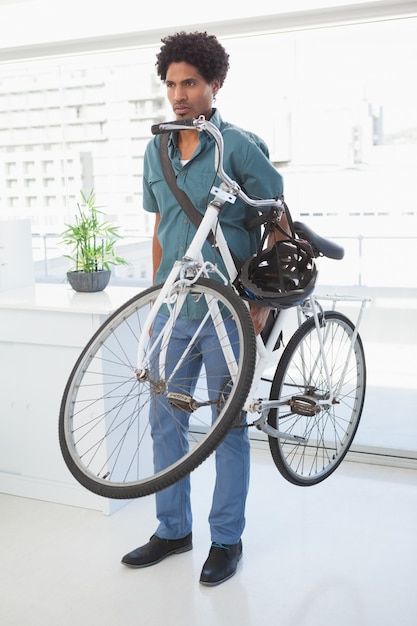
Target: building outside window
338, 109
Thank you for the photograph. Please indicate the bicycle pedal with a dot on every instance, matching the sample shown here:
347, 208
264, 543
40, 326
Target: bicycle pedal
182, 401
302, 405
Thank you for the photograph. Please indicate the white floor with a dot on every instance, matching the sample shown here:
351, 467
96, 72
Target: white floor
342, 553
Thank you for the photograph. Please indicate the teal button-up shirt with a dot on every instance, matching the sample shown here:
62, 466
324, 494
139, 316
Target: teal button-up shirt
246, 160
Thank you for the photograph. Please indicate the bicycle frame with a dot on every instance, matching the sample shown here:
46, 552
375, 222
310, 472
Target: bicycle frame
187, 271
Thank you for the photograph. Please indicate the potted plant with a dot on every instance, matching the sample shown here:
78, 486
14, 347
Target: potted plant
91, 240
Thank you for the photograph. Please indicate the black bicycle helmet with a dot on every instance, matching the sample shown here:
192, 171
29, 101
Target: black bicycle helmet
280, 276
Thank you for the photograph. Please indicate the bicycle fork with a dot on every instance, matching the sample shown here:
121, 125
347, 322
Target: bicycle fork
174, 303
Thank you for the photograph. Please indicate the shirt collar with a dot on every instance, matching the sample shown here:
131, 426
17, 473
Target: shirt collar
216, 118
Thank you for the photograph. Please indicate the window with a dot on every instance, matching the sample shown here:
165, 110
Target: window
338, 109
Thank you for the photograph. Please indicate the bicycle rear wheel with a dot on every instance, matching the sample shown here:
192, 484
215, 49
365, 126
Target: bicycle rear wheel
108, 418
329, 428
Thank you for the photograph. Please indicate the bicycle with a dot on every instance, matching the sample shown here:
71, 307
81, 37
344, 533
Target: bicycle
317, 388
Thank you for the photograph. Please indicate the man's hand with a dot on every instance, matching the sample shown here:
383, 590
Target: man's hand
259, 315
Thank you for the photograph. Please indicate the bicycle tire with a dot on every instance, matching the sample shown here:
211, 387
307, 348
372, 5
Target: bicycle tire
300, 374
104, 425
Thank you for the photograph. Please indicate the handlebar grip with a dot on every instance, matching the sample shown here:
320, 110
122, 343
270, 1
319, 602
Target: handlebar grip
166, 127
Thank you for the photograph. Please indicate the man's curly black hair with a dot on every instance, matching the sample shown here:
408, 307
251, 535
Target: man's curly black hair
201, 50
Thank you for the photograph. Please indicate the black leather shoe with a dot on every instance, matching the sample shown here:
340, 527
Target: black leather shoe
221, 563
156, 550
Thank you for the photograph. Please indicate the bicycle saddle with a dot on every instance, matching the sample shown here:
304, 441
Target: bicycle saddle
320, 245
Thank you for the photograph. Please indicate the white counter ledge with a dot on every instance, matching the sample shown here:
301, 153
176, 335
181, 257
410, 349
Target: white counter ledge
53, 297
42, 332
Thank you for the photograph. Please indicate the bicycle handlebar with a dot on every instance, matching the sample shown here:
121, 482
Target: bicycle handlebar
201, 124
320, 244
167, 127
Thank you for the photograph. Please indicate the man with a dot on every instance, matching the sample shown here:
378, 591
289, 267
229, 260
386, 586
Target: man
194, 67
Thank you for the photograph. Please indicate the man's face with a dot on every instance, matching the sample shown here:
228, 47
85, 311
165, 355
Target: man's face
188, 92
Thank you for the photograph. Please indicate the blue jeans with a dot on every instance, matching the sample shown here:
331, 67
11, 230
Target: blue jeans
173, 506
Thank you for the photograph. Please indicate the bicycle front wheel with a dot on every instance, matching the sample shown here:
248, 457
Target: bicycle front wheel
327, 429
199, 371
